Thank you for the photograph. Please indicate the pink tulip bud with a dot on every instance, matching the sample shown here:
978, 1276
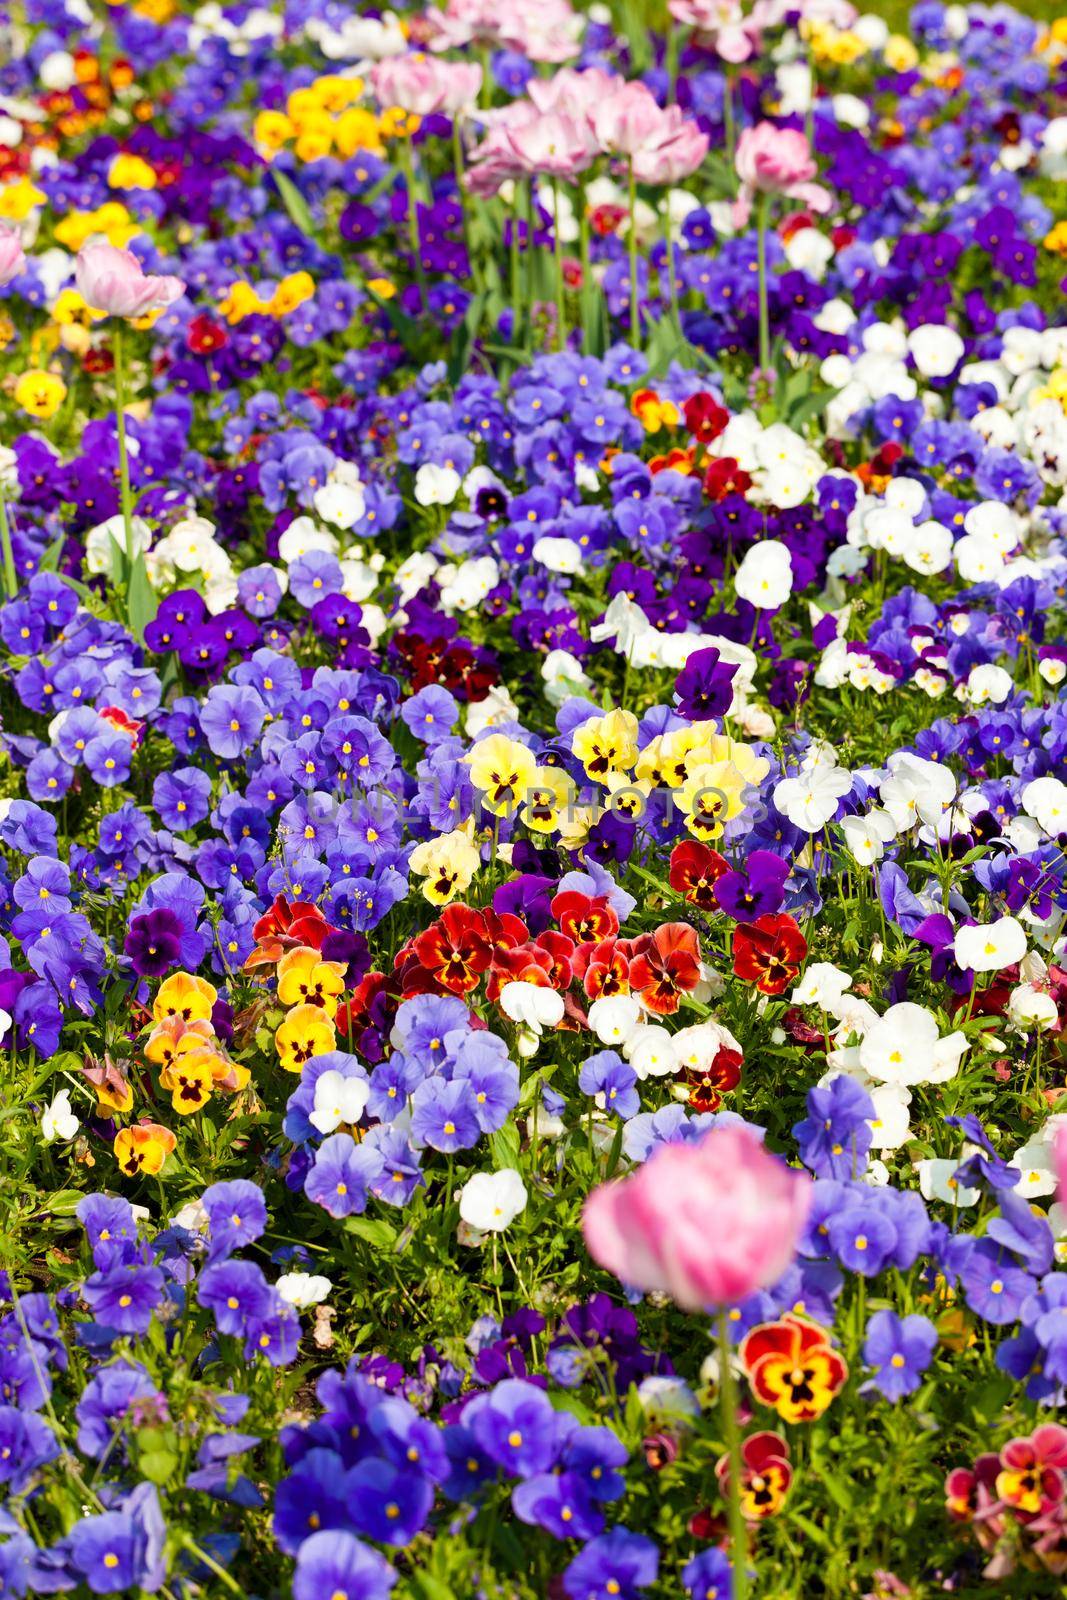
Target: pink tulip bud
12, 256
773, 160
627, 121
112, 281
708, 1223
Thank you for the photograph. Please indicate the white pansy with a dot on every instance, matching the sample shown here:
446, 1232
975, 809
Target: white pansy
340, 503
936, 1182
978, 559
469, 584
1036, 1160
891, 1126
916, 790
563, 676
987, 947
302, 536
811, 798
58, 1120
107, 541
1032, 1009
867, 836
614, 1018
338, 1100
904, 1046
765, 575
988, 684
558, 554
303, 1289
532, 1005
822, 985
1045, 799
651, 1052
490, 1201
935, 349
436, 486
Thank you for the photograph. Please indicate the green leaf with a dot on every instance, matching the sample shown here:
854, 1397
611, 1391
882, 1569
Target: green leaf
141, 602
65, 1203
373, 1231
295, 204
504, 1146
428, 1587
463, 339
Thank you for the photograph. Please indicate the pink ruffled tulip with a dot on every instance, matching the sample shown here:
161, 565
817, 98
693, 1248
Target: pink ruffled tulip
627, 121
423, 85
113, 281
719, 25
708, 1223
573, 94
557, 146
772, 160
12, 255
677, 152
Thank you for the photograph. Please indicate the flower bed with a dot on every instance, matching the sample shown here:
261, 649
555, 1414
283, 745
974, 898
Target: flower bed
533, 801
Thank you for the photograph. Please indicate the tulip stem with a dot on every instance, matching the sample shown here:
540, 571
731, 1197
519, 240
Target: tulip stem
561, 305
728, 113
119, 354
672, 274
635, 315
761, 261
407, 161
11, 582
732, 1434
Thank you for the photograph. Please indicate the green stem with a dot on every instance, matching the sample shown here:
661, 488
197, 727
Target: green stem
407, 162
516, 308
126, 496
761, 258
457, 163
635, 315
732, 1434
561, 305
728, 113
11, 582
672, 275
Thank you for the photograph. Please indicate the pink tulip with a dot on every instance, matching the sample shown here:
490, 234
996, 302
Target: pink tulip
679, 149
773, 160
721, 26
627, 121
423, 85
557, 146
112, 281
541, 30
708, 1223
1059, 1151
12, 256
573, 94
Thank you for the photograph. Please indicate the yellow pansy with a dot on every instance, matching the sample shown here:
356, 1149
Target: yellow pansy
271, 131
190, 1081
712, 795
357, 129
70, 307
502, 769
900, 53
607, 744
19, 198
306, 1032
1056, 241
290, 293
40, 393
241, 300
111, 221
143, 1148
398, 124
382, 287
334, 93
446, 864
548, 797
304, 978
130, 172
314, 140
185, 996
